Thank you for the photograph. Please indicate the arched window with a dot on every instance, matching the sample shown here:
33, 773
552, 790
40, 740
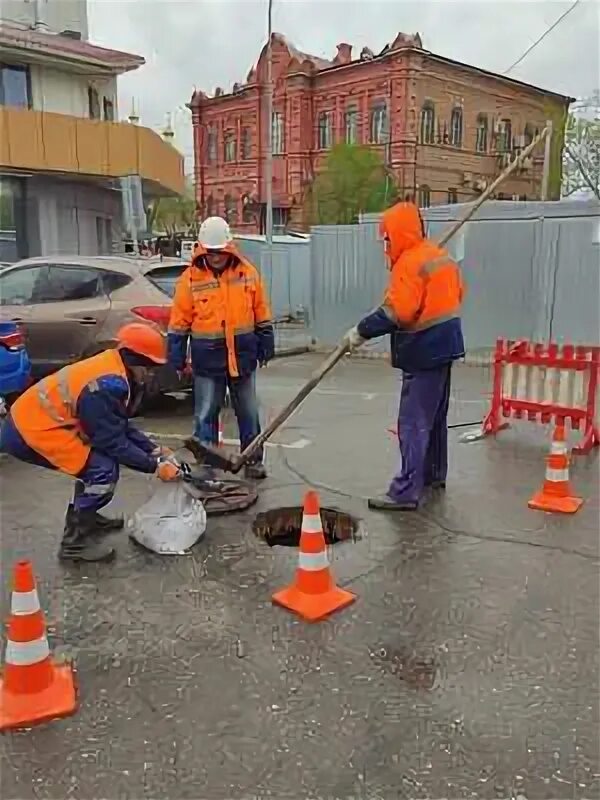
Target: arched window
424, 196
378, 133
428, 123
325, 137
456, 127
210, 206
504, 136
481, 136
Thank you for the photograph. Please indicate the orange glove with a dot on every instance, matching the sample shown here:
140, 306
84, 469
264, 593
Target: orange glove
168, 471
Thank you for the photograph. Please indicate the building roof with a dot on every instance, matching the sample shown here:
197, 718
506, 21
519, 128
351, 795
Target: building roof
67, 48
402, 41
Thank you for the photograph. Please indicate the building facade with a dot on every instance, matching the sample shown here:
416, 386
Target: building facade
62, 149
444, 129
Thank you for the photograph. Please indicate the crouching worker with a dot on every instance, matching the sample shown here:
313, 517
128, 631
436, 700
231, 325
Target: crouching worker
220, 304
77, 421
421, 311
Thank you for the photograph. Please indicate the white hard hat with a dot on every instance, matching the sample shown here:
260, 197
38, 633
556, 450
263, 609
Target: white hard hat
214, 234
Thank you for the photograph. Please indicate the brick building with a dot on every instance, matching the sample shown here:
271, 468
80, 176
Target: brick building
444, 128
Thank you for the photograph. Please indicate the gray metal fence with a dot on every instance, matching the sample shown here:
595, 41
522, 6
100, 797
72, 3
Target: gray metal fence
532, 271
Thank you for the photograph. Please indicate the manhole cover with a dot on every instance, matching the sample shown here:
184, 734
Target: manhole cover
282, 526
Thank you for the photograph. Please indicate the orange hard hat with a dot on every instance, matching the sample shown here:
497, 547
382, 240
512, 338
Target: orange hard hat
143, 340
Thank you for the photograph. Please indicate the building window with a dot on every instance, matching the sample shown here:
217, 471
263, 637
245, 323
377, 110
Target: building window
229, 147
209, 204
325, 133
504, 136
246, 143
481, 136
456, 127
424, 196
230, 209
15, 86
211, 146
527, 135
280, 220
247, 210
109, 109
277, 138
378, 129
93, 103
452, 196
428, 124
351, 125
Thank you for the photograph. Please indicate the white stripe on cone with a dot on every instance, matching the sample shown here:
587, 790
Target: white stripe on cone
25, 602
25, 654
558, 449
313, 562
557, 475
311, 523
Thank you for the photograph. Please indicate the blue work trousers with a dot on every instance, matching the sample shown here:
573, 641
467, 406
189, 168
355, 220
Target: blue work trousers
94, 485
209, 398
422, 433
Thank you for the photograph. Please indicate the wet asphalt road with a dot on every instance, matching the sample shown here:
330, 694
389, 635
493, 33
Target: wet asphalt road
467, 668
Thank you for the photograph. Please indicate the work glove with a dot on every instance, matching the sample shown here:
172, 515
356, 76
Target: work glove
168, 470
185, 373
353, 339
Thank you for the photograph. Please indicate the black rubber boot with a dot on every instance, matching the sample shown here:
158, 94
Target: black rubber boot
255, 472
385, 503
108, 524
78, 543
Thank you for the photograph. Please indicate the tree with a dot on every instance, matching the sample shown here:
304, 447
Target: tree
581, 159
354, 180
174, 214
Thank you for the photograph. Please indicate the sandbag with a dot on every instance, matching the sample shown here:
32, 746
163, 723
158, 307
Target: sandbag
171, 522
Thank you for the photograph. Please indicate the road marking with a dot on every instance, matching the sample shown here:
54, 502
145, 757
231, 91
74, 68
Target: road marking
299, 444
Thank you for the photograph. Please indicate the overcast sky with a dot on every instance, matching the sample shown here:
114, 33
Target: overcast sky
202, 44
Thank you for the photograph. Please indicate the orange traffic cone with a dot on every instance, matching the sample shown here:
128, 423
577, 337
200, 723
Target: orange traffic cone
32, 688
556, 495
313, 595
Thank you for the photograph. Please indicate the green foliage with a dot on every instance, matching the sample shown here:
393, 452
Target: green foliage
173, 214
581, 159
354, 180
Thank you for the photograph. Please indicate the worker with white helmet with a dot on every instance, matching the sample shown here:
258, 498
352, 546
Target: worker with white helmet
220, 305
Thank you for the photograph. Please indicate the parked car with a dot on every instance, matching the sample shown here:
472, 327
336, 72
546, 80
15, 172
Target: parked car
70, 307
15, 367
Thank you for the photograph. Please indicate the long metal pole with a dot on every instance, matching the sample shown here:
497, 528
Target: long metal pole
269, 150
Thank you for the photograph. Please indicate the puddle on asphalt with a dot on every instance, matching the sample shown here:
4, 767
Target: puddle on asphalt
282, 526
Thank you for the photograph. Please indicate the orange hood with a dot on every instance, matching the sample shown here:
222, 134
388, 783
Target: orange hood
403, 227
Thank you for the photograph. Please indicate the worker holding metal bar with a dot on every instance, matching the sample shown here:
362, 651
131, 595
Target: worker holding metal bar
220, 304
421, 311
77, 421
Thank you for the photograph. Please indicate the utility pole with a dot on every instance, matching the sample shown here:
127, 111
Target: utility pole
269, 150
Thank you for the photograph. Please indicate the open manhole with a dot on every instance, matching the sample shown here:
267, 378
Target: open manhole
282, 526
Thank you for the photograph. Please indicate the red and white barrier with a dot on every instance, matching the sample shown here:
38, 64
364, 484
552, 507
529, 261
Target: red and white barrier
547, 384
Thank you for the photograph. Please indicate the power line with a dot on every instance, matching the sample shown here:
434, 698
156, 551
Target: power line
542, 37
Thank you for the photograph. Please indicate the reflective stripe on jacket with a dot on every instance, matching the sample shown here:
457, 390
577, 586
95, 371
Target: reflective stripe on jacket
227, 317
46, 414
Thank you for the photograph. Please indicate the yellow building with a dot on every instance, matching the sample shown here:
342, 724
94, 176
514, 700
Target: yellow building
62, 150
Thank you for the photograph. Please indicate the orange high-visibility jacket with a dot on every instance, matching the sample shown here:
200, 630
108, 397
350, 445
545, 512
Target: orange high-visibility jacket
422, 303
46, 414
226, 314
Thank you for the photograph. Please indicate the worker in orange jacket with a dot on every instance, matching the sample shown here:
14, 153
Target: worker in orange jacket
421, 311
76, 421
220, 305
